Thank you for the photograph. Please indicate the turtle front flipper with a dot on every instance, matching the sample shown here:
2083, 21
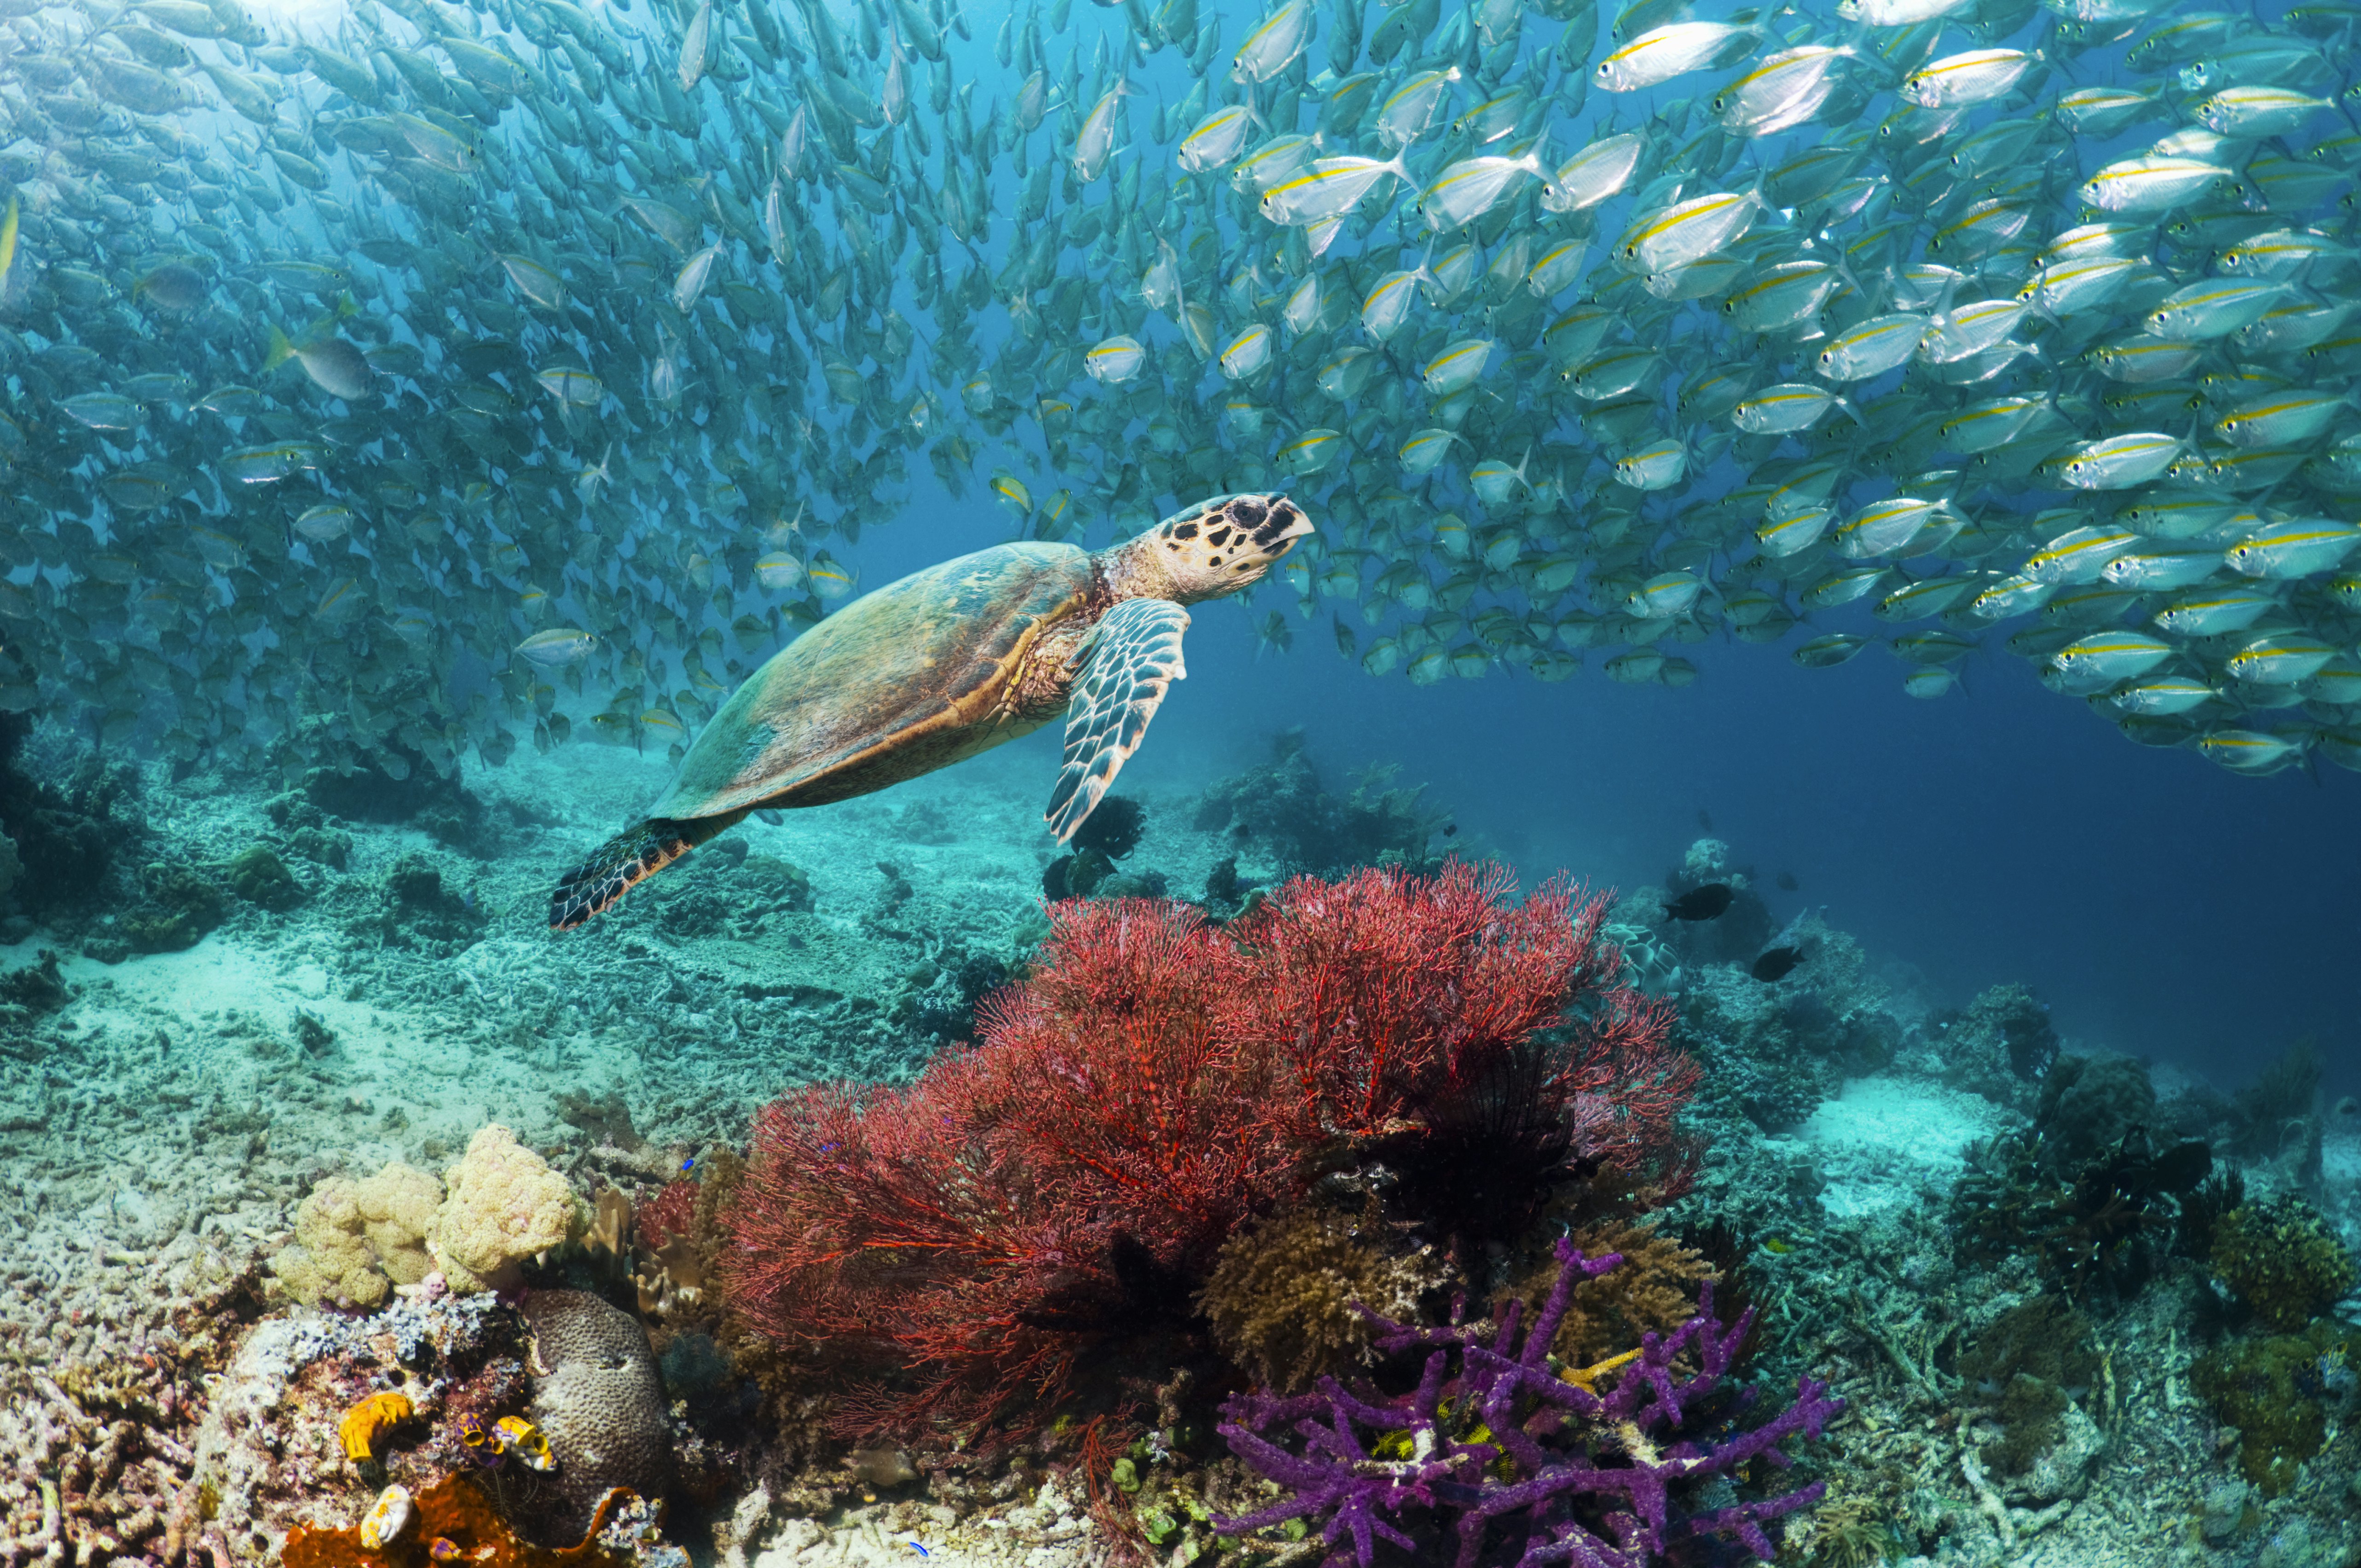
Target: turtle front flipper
1127, 662
627, 859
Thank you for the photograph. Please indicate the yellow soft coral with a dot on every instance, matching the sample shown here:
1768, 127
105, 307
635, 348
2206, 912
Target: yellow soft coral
396, 1208
505, 1205
330, 1264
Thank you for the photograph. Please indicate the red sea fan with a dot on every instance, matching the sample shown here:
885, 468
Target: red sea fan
671, 1212
983, 1229
971, 1243
1390, 998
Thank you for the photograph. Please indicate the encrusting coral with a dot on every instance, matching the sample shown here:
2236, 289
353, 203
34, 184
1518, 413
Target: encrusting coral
2280, 1393
2281, 1260
1284, 1294
454, 1516
505, 1205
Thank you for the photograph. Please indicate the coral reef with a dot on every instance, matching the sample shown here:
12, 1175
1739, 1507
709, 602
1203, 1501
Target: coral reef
36, 988
2277, 1117
1285, 1293
324, 768
1733, 937
598, 1398
419, 913
2100, 1228
1154, 1083
1652, 1290
63, 839
2281, 1260
1498, 1453
177, 905
2027, 1361
261, 878
505, 1204
1283, 811
2001, 1042
273, 1452
1113, 829
2090, 1104
2282, 1394
741, 895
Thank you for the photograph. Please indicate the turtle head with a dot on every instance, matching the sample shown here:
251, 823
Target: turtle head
1221, 545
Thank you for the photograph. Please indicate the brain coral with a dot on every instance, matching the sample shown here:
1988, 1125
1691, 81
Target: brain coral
330, 1264
505, 1205
396, 1208
598, 1398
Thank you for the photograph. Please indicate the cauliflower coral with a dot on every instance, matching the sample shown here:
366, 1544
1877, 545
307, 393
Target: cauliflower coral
330, 1264
505, 1204
397, 1209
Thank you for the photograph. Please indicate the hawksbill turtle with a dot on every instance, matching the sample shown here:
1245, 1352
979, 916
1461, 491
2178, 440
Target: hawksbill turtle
948, 662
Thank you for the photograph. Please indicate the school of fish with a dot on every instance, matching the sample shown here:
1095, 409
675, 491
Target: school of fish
416, 378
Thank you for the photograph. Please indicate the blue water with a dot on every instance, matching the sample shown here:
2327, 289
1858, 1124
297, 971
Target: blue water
2163, 906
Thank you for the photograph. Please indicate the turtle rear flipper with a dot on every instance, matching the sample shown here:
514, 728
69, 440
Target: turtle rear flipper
1128, 662
627, 859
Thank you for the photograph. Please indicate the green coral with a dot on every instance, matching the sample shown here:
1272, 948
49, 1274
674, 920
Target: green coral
261, 877
2281, 1260
2276, 1392
2031, 1355
176, 907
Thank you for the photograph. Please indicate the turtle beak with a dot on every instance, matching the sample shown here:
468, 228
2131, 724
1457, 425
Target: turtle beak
1284, 523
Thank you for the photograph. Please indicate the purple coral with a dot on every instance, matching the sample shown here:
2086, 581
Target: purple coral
1505, 1436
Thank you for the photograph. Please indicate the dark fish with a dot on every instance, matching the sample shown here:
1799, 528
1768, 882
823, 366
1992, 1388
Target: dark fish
1705, 902
1704, 820
1776, 963
1787, 883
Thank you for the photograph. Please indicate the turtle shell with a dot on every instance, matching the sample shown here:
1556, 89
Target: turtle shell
896, 683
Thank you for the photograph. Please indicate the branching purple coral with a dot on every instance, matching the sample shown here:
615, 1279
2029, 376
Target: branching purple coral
1569, 1476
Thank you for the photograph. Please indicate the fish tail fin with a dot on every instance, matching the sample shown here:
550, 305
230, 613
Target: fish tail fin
625, 860
281, 349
